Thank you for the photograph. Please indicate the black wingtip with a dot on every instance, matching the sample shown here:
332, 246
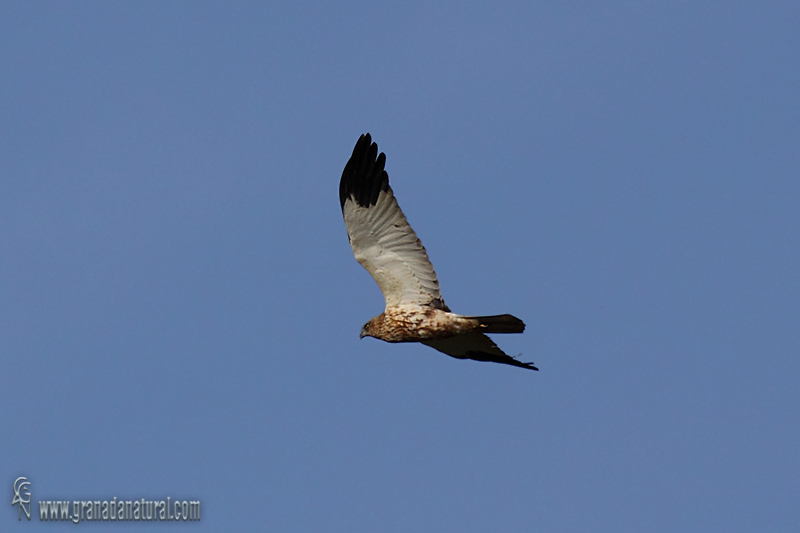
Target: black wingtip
363, 177
504, 359
520, 364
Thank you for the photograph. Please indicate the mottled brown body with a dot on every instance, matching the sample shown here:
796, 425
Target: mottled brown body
417, 323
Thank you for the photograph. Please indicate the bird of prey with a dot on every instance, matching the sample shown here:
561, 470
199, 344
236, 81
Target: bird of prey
388, 248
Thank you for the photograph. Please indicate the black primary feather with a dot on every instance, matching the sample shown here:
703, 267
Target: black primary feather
492, 358
363, 177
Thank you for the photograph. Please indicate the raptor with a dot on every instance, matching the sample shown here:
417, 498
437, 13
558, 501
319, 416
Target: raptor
385, 245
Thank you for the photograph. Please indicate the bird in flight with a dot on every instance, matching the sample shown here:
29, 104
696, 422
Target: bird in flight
388, 248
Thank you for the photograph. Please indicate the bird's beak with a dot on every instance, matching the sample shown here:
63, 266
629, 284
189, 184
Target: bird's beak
361, 335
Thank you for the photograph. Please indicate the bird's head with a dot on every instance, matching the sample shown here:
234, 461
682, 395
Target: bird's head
365, 330
373, 328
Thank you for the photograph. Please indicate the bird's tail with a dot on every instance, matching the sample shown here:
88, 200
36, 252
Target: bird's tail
500, 324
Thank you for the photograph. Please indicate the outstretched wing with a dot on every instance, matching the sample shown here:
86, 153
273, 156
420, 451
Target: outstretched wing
475, 346
379, 233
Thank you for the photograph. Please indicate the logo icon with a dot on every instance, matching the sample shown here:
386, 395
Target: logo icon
20, 485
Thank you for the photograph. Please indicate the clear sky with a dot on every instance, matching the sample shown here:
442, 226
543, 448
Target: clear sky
180, 308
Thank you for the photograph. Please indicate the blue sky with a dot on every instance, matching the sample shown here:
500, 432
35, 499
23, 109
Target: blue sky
180, 309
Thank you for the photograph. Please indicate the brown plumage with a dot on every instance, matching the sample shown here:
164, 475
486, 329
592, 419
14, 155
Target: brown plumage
385, 245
